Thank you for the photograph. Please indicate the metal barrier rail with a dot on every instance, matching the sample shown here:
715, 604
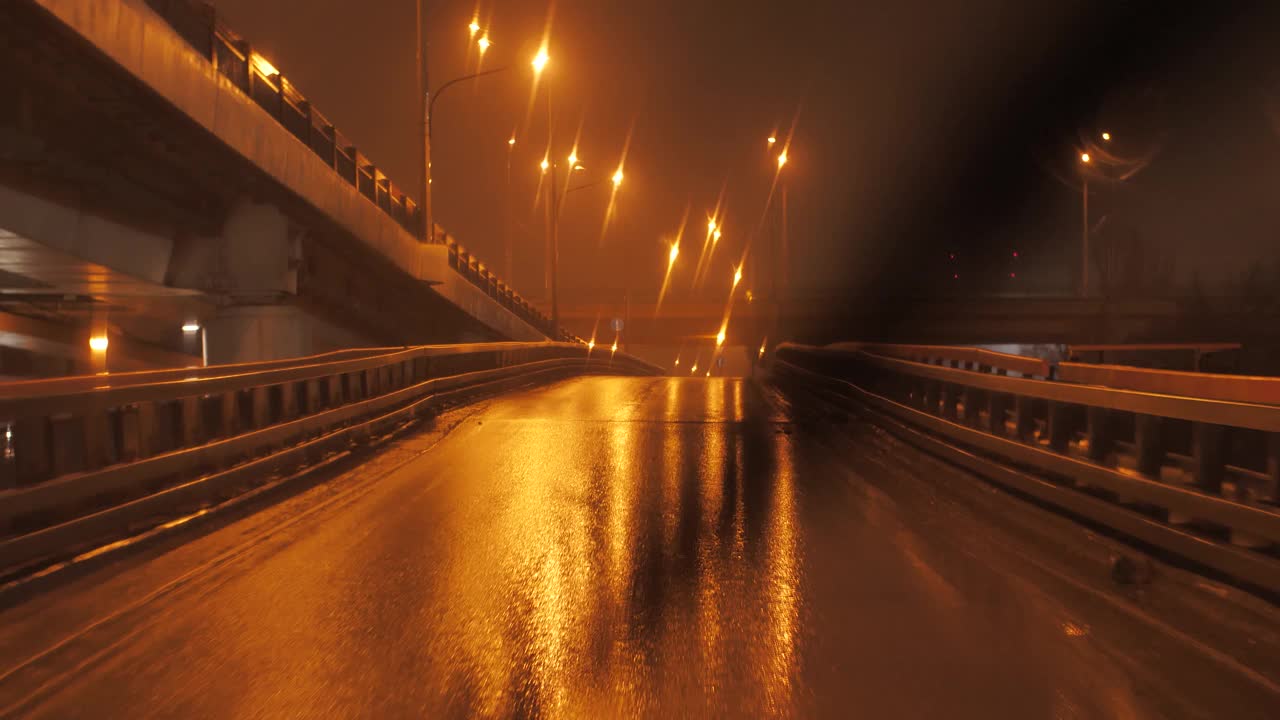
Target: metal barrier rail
96, 461
197, 22
1198, 477
1235, 388
969, 358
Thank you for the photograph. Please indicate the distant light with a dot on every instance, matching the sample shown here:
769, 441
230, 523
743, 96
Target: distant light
484, 43
617, 177
614, 349
573, 158
720, 337
474, 27
693, 369
511, 140
1013, 275
99, 343
715, 236
955, 276
750, 297
671, 256
708, 373
782, 159
1015, 253
1084, 158
578, 168
762, 346
540, 61
737, 276
544, 164
190, 328
677, 362
591, 345
1106, 136
772, 139
952, 256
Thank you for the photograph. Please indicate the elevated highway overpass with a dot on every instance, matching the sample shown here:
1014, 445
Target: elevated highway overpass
156, 173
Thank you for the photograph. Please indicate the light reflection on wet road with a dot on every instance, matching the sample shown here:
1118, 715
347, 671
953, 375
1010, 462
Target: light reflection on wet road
614, 547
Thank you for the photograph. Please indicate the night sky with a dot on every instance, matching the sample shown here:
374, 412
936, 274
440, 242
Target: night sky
922, 129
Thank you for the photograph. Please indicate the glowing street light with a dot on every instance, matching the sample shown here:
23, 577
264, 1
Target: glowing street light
511, 141
711, 227
484, 43
617, 177
762, 346
693, 369
99, 343
720, 336
474, 27
1106, 136
772, 139
191, 327
614, 349
591, 345
573, 158
737, 276
540, 61
545, 164
1085, 158
715, 236
671, 256
782, 159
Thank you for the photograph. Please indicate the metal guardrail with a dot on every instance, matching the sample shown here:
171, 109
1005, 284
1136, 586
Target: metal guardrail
1212, 386
198, 24
83, 462
1196, 476
968, 358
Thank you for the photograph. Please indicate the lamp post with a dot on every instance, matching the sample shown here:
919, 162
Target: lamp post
426, 107
1085, 161
506, 225
428, 228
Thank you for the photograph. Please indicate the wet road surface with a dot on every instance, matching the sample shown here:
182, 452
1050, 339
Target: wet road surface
618, 547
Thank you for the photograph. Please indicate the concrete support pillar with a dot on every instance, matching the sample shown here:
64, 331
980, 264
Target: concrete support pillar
253, 333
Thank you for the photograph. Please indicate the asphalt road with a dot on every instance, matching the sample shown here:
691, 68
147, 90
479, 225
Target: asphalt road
623, 547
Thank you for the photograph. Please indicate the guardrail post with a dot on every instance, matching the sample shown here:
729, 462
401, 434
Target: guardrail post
288, 401
313, 396
1024, 418
1098, 433
973, 402
334, 383
227, 417
929, 396
997, 411
1150, 449
948, 409
1059, 426
1207, 443
190, 434
261, 396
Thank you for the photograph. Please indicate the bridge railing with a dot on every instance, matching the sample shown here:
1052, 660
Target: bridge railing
967, 358
88, 456
1198, 476
197, 22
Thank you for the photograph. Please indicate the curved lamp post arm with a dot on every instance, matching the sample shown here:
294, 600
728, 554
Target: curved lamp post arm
431, 107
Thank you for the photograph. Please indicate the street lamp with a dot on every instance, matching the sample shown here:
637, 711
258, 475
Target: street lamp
617, 178
426, 109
